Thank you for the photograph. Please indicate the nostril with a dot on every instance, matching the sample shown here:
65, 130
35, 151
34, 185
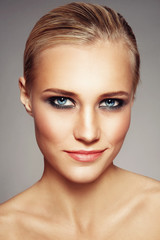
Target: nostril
87, 136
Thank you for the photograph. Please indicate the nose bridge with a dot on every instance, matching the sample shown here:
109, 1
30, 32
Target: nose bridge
87, 127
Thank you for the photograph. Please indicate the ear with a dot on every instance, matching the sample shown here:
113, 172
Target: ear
132, 101
24, 96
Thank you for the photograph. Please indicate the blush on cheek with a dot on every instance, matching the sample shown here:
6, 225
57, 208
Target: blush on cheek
47, 129
51, 129
118, 128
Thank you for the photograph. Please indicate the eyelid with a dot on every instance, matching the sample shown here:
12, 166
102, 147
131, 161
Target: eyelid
112, 99
62, 97
58, 97
52, 100
120, 104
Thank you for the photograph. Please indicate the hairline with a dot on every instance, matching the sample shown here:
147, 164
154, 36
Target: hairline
74, 43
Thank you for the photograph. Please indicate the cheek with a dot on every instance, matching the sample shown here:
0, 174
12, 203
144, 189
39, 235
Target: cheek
51, 127
117, 127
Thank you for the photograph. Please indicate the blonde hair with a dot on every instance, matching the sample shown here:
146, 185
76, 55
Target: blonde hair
78, 24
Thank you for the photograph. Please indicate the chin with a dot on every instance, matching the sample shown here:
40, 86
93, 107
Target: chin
84, 176
83, 180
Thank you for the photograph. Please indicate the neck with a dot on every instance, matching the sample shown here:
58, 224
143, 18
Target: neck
79, 201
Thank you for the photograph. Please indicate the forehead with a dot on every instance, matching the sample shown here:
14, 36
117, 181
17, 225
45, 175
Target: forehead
85, 67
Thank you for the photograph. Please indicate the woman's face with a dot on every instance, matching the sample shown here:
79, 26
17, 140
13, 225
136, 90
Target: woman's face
81, 103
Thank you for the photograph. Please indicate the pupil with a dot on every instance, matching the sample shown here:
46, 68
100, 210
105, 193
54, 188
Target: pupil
61, 101
110, 102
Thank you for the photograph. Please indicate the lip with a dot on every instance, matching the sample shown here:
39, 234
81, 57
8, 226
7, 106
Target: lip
85, 156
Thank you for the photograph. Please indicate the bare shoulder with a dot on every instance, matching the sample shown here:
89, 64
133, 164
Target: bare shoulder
17, 218
152, 197
141, 206
140, 182
7, 221
150, 205
150, 189
145, 204
147, 189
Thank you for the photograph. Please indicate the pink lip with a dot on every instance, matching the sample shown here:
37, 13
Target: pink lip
85, 156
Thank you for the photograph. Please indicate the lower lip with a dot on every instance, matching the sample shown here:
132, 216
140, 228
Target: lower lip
85, 157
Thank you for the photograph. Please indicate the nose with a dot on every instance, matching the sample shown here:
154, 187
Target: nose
87, 128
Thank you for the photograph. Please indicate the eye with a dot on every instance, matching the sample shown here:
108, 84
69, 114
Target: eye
111, 103
61, 102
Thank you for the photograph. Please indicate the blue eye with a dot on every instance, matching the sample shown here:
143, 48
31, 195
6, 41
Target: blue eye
61, 102
111, 103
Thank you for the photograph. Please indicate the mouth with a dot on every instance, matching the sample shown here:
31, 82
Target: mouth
85, 156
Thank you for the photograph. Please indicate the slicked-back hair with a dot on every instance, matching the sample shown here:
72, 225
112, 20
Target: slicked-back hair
79, 23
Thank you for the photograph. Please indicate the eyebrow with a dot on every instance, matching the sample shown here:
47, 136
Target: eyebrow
61, 91
114, 94
71, 94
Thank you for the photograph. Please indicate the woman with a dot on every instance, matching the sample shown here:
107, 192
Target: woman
81, 70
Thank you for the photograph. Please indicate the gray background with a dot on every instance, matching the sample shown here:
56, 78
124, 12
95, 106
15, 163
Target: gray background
21, 163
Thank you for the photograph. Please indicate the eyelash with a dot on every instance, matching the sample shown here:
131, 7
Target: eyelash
52, 101
118, 103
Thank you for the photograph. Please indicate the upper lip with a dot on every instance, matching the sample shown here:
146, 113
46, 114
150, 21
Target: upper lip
86, 151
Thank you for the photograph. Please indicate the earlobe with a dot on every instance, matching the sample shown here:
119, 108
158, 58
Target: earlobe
24, 96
